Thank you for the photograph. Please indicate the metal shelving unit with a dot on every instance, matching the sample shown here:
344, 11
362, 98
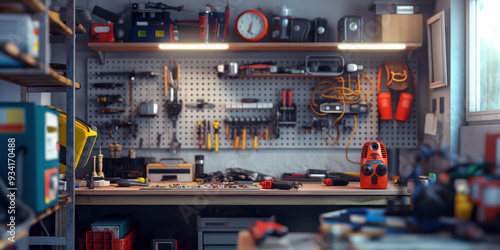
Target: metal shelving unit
39, 77
36, 71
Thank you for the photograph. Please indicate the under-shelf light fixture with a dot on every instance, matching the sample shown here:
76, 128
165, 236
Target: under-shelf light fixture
194, 46
372, 46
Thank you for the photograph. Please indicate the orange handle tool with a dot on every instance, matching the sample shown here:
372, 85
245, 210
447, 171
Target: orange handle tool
283, 97
290, 93
243, 139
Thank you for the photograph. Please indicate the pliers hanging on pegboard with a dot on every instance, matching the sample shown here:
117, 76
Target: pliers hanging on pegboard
172, 73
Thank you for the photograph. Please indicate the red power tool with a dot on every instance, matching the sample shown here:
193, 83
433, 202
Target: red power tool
373, 166
261, 229
284, 185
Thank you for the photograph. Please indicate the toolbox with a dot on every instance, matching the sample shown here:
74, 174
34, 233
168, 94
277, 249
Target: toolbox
29, 135
163, 171
104, 240
222, 233
120, 226
85, 137
152, 34
21, 30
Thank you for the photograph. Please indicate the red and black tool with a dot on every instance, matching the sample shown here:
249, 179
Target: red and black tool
329, 181
204, 20
373, 166
279, 184
225, 24
283, 97
287, 111
261, 229
262, 67
290, 94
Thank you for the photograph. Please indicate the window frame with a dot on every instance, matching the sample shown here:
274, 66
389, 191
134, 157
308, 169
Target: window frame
471, 62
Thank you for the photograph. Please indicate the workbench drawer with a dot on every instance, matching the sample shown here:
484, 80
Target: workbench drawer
220, 238
220, 247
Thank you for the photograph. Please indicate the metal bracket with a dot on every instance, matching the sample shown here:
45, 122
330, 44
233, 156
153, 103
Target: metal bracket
101, 56
46, 241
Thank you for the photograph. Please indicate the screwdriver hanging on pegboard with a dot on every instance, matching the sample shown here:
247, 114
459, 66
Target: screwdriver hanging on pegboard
216, 136
237, 136
243, 136
209, 143
198, 127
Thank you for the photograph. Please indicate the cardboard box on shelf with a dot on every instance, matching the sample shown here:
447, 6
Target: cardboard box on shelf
401, 28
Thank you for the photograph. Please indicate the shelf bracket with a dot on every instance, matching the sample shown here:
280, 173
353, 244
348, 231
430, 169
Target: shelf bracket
25, 96
408, 55
101, 56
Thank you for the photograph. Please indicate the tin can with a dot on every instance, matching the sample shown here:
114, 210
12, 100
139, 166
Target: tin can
204, 19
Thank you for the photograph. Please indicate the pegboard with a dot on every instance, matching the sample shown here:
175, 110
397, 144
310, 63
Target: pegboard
199, 80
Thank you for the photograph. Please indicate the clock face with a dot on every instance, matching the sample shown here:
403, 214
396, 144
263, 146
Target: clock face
251, 25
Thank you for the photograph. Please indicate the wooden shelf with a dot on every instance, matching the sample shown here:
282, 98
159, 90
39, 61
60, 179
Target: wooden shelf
21, 6
4, 243
33, 75
53, 79
80, 29
154, 47
57, 27
11, 50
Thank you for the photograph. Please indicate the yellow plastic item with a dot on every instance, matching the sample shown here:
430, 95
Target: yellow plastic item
85, 137
463, 207
216, 126
55, 14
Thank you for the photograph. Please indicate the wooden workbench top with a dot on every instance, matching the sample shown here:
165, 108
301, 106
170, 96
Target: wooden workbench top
309, 194
307, 189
